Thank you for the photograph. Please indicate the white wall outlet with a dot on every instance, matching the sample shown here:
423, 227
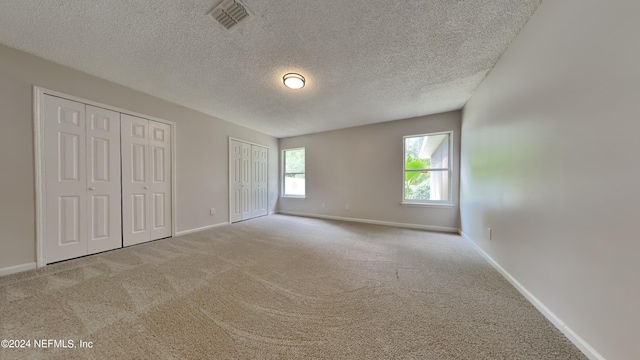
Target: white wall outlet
489, 233
322, 204
346, 207
212, 211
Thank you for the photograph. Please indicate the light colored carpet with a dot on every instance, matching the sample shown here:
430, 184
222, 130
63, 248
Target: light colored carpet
280, 287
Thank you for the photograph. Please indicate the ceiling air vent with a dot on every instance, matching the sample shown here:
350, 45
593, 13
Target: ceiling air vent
229, 13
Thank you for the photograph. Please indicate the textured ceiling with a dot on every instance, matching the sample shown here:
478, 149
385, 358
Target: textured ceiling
365, 61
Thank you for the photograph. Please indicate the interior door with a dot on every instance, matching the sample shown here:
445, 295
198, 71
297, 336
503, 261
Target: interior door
160, 179
263, 208
136, 212
258, 181
103, 179
146, 180
235, 181
65, 178
245, 176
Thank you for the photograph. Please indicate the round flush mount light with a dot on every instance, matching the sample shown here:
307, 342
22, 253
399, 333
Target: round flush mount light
293, 81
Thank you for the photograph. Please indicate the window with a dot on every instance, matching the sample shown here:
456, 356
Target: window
427, 169
294, 181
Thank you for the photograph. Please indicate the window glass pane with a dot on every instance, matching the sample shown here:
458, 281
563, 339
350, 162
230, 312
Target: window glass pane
294, 161
424, 152
294, 173
426, 185
294, 184
416, 185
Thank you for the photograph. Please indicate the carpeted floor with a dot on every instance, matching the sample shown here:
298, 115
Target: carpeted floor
279, 287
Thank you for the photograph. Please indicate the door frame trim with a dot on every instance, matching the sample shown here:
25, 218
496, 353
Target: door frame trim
38, 141
229, 171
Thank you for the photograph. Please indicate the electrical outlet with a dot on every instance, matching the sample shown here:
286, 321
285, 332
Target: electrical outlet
322, 204
346, 207
489, 233
212, 211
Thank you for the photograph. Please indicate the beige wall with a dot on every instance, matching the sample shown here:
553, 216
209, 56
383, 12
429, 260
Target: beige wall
362, 167
550, 150
201, 144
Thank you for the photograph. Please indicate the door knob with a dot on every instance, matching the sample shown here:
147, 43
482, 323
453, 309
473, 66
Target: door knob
92, 188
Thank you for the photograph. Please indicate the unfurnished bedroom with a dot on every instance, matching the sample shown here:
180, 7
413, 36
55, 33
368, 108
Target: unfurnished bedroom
242, 179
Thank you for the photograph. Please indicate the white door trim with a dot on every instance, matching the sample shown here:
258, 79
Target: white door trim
38, 137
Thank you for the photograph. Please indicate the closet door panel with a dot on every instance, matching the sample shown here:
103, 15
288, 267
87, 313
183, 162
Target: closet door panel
258, 181
103, 179
255, 172
65, 178
263, 206
235, 180
107, 179
245, 173
136, 212
160, 179
247, 180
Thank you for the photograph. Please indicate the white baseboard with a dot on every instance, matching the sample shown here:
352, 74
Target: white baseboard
191, 231
17, 269
375, 222
579, 342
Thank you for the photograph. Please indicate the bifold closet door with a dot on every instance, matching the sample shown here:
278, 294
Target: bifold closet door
160, 176
258, 181
146, 180
103, 180
82, 179
247, 180
65, 178
235, 180
240, 180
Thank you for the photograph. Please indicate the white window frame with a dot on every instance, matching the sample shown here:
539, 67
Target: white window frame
449, 169
284, 173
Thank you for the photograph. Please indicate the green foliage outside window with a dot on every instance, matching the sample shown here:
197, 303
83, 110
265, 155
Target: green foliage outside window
417, 184
294, 162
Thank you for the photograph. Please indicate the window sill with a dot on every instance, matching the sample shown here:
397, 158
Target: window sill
435, 205
302, 197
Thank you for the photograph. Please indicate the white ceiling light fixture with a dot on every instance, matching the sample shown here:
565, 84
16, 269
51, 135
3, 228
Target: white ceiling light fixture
293, 81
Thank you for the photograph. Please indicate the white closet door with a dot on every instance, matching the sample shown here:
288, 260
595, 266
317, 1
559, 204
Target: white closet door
247, 180
160, 179
103, 179
65, 178
263, 207
146, 180
245, 175
136, 213
235, 180
258, 181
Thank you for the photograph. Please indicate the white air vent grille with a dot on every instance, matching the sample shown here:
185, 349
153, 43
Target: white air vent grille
229, 13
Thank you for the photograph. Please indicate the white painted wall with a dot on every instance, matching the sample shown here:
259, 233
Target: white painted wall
201, 144
551, 141
362, 166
